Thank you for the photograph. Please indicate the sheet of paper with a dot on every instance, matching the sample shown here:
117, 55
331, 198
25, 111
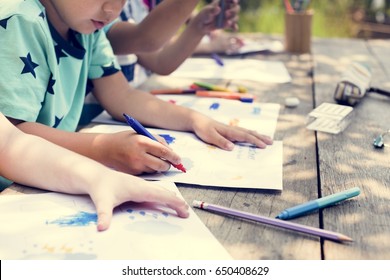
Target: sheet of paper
261, 117
255, 46
244, 167
234, 69
59, 226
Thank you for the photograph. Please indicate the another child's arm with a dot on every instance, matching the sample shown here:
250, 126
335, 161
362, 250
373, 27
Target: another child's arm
173, 54
132, 153
154, 31
219, 40
116, 97
33, 161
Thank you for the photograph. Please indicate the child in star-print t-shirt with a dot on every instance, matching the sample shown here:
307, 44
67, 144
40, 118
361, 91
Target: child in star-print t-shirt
48, 50
94, 179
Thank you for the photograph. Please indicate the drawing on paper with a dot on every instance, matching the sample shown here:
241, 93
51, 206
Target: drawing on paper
168, 138
79, 219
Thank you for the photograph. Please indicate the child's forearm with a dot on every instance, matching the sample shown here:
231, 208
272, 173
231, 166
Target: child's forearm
154, 31
33, 161
154, 112
82, 143
115, 95
174, 53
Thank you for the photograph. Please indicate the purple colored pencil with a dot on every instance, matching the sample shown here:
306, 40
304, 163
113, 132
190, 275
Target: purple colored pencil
270, 221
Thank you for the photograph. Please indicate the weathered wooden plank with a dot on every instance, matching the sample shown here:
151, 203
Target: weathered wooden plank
349, 159
248, 240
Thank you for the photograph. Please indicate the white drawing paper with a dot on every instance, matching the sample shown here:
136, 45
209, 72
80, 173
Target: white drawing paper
244, 167
63, 227
261, 117
234, 69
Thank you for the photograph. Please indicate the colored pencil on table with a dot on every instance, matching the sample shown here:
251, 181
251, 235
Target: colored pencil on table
244, 97
211, 86
173, 91
274, 222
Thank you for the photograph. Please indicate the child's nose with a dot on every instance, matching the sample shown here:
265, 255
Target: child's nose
113, 8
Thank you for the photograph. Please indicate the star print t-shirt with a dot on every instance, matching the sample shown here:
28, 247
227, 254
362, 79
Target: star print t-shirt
43, 77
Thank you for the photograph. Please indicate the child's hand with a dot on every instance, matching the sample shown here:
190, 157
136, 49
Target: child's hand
231, 14
223, 136
135, 154
113, 188
206, 18
224, 42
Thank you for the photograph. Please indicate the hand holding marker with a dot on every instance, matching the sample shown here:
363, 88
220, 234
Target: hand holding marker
221, 16
142, 131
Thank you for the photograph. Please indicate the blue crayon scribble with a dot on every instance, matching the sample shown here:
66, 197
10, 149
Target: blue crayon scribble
145, 214
77, 220
256, 111
142, 213
214, 106
168, 138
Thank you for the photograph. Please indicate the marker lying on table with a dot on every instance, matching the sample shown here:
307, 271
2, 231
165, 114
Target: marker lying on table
244, 97
217, 59
173, 91
274, 222
211, 87
317, 204
142, 130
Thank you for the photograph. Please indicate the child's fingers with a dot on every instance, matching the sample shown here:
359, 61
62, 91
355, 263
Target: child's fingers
158, 194
247, 136
104, 213
162, 140
219, 140
181, 210
165, 153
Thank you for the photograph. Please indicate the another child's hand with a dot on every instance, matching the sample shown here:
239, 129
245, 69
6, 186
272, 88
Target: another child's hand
205, 20
223, 42
224, 136
135, 154
114, 188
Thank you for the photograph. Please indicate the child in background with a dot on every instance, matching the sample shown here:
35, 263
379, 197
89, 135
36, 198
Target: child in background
130, 34
200, 27
33, 161
51, 48
147, 36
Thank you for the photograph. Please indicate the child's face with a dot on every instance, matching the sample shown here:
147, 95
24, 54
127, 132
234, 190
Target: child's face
84, 16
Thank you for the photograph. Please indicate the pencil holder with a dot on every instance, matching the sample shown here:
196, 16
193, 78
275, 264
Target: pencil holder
298, 31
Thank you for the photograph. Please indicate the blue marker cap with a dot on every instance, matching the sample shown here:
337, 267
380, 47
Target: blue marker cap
316, 204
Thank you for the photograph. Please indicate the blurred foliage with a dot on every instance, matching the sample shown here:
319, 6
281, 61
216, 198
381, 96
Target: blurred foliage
332, 18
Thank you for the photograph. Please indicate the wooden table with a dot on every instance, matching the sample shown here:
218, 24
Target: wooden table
314, 164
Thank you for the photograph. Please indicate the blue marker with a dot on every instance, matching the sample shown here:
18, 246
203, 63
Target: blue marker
317, 204
221, 16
